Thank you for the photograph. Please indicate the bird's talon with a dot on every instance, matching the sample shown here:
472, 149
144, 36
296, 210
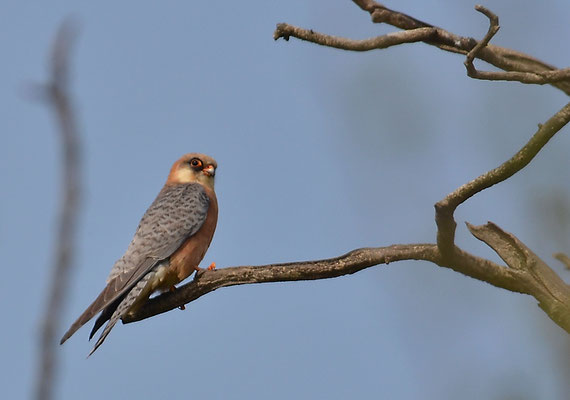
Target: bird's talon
212, 266
182, 307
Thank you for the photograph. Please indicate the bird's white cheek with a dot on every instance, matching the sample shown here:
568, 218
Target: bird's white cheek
184, 175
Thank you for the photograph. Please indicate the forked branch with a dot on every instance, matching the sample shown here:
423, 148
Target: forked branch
531, 77
519, 66
446, 207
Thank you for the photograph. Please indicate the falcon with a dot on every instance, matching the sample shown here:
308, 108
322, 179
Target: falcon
169, 243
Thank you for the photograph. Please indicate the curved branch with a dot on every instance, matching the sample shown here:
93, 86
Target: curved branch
445, 208
493, 29
500, 57
354, 261
539, 78
380, 42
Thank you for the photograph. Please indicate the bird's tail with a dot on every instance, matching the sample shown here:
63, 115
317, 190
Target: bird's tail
136, 294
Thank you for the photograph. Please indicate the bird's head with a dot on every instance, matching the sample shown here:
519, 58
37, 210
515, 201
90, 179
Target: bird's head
193, 167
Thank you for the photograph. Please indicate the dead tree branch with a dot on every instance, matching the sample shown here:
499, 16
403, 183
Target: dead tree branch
381, 42
57, 95
354, 261
524, 271
540, 78
446, 207
500, 57
520, 67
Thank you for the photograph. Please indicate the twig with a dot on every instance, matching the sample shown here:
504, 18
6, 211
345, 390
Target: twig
524, 77
381, 42
493, 29
56, 93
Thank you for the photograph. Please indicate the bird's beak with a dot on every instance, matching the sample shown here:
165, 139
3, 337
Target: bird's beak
209, 170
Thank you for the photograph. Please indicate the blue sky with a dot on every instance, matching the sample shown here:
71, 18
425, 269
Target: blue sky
320, 151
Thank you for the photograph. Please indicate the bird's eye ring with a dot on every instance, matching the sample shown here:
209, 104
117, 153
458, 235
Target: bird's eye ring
196, 163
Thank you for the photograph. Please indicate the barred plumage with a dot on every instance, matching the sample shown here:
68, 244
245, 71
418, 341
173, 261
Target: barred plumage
167, 247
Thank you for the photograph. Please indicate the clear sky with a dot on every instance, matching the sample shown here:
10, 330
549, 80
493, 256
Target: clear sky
320, 151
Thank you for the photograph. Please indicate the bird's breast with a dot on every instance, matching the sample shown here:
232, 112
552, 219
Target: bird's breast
188, 256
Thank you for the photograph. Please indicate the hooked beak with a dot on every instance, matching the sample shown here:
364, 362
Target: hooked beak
209, 170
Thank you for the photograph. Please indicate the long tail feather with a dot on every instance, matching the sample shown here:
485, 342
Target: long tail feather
122, 309
114, 290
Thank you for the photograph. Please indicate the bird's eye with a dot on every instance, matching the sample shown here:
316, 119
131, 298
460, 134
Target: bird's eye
196, 163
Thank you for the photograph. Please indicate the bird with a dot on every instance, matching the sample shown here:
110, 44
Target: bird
168, 245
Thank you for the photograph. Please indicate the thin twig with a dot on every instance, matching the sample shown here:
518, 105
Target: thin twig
493, 29
58, 98
380, 42
539, 78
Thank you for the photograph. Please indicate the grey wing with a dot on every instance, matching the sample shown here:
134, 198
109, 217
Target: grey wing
177, 213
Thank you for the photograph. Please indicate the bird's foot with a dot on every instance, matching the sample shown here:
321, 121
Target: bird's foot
201, 270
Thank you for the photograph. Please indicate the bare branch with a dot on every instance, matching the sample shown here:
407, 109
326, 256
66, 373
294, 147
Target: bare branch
446, 207
58, 98
208, 281
493, 29
540, 78
381, 42
527, 274
523, 68
357, 260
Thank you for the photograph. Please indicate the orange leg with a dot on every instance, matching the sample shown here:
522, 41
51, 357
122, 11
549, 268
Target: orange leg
210, 268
